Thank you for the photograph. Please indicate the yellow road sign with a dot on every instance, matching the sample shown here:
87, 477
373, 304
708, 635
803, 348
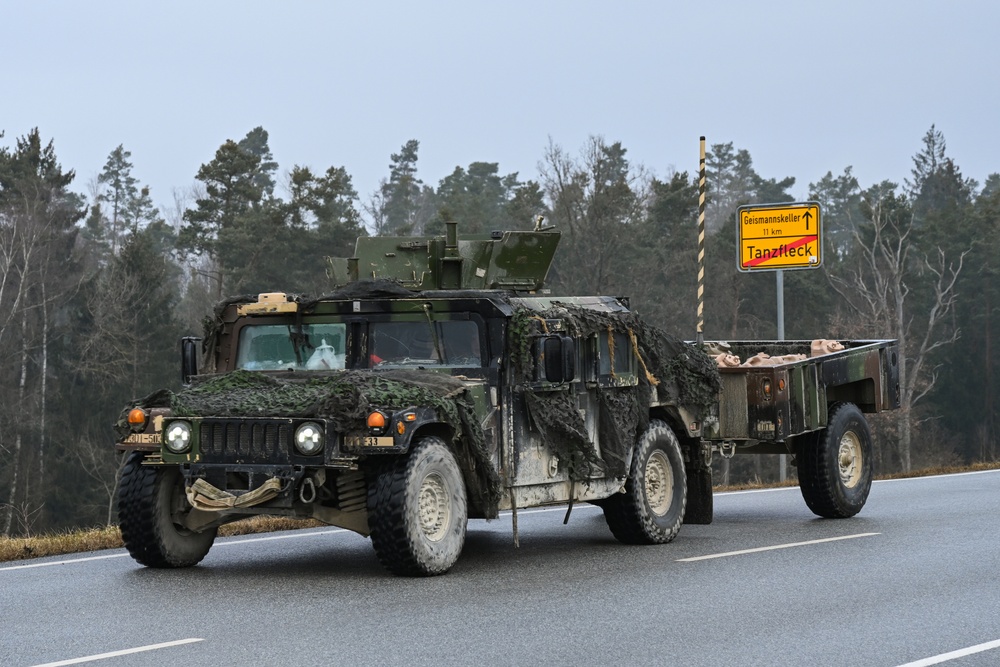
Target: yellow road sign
779, 236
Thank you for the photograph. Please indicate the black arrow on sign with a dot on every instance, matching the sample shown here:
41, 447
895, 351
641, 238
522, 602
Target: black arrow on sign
807, 215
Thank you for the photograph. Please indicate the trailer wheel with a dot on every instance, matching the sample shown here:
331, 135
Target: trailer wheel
151, 504
651, 510
835, 465
417, 511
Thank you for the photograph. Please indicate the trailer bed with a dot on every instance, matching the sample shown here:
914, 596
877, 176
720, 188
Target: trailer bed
772, 403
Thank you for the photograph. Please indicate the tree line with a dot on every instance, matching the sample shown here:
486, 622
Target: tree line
96, 287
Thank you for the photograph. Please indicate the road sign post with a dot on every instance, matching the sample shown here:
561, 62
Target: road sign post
775, 237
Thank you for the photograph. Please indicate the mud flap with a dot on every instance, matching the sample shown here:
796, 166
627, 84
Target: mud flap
699, 485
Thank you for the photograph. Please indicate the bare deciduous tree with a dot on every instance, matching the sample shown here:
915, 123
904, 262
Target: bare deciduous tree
878, 288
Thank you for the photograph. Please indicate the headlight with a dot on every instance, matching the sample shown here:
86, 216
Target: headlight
178, 437
309, 438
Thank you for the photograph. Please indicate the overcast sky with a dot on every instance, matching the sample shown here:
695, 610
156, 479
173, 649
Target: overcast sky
805, 87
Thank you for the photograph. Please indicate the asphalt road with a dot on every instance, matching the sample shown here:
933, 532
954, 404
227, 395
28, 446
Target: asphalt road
913, 577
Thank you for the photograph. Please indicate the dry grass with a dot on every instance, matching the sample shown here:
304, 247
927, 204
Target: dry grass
108, 537
91, 539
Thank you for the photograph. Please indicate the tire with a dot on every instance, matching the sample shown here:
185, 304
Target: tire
150, 502
835, 465
418, 512
651, 510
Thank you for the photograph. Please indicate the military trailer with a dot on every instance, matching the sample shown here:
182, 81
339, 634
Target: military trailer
439, 382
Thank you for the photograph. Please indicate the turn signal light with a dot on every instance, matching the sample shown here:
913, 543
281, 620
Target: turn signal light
376, 420
137, 419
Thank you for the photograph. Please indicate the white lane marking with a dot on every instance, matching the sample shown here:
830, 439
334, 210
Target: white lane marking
115, 654
877, 481
927, 477
561, 508
772, 548
558, 508
61, 562
73, 561
746, 491
292, 535
289, 536
960, 653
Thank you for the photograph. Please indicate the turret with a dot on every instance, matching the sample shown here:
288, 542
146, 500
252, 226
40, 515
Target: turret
499, 260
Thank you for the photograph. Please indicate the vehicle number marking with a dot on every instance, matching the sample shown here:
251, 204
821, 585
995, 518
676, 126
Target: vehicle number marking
371, 441
143, 439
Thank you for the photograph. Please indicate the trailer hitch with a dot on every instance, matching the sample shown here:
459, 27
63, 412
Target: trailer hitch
726, 449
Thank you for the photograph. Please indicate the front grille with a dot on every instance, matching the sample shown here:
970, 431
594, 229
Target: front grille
245, 441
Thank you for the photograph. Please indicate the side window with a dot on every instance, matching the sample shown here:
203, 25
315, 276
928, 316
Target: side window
450, 344
461, 342
616, 359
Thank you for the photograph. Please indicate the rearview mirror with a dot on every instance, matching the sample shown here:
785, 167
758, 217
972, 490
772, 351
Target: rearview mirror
559, 353
189, 358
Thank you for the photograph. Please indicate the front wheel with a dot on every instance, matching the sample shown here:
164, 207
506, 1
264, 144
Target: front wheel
417, 511
151, 508
651, 510
835, 466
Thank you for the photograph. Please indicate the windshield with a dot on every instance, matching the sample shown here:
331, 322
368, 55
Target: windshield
451, 343
271, 347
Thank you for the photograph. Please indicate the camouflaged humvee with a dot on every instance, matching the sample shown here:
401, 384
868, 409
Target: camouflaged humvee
439, 383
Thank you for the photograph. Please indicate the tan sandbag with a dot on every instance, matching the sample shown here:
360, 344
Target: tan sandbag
821, 346
209, 498
727, 360
714, 348
764, 359
759, 359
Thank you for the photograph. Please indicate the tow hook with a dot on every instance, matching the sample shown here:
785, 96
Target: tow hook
307, 491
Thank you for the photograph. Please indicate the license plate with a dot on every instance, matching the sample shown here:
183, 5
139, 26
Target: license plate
371, 441
143, 439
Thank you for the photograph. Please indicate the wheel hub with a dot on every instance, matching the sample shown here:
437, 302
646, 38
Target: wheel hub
434, 507
659, 483
850, 459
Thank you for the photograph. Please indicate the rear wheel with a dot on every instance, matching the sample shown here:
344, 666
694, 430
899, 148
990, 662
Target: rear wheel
151, 510
835, 465
417, 511
651, 509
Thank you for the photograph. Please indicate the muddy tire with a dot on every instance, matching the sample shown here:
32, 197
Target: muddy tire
835, 465
651, 510
151, 503
417, 511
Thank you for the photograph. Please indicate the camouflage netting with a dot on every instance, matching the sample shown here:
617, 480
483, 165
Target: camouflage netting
677, 372
345, 398
555, 415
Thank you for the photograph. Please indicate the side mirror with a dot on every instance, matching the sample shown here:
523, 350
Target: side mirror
559, 353
189, 358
